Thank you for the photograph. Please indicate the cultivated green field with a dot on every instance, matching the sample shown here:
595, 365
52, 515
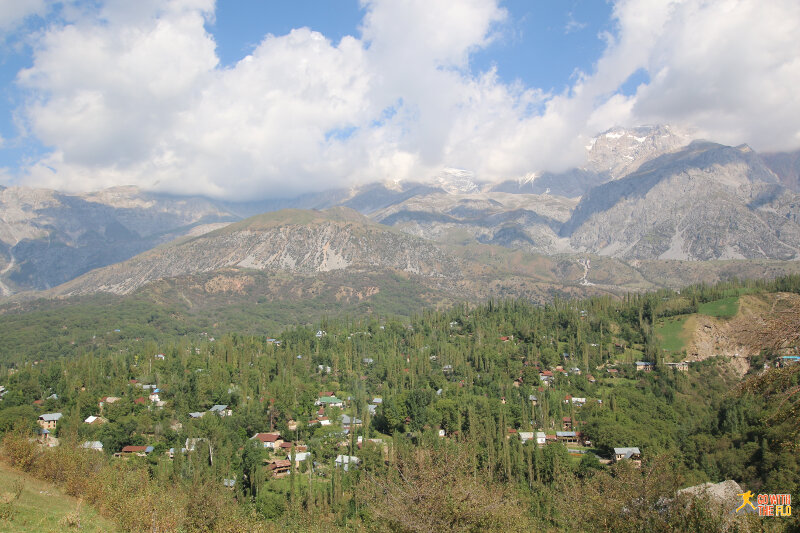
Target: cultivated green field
674, 332
725, 308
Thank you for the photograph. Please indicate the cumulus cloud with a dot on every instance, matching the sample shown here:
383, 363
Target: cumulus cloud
137, 96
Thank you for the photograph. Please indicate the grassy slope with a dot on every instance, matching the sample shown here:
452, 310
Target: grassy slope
42, 506
675, 332
725, 308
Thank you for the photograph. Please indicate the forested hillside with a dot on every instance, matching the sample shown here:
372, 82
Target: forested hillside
498, 416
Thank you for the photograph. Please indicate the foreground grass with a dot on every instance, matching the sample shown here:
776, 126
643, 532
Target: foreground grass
45, 508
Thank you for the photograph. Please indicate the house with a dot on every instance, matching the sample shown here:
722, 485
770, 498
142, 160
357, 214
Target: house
546, 377
159, 356
613, 371
268, 440
349, 422
229, 483
376, 400
632, 454
221, 410
141, 400
682, 366
566, 423
345, 461
291, 425
533, 399
130, 451
578, 401
367, 360
49, 420
591, 379
299, 457
172, 451
191, 444
43, 436
95, 445
541, 438
329, 401
197, 414
280, 467
107, 400
95, 420
373, 409
525, 436
567, 437
644, 366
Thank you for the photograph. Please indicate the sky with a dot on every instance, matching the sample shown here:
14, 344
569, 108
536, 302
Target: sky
254, 99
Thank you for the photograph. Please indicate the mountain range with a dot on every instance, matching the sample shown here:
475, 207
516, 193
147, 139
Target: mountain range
650, 207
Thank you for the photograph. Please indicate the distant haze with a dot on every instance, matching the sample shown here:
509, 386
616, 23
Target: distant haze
118, 96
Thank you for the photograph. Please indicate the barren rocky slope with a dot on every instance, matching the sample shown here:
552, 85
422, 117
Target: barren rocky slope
47, 238
764, 321
706, 201
303, 242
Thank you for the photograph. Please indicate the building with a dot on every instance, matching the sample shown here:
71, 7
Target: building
268, 440
567, 423
525, 436
644, 366
349, 422
130, 451
107, 400
299, 457
49, 420
95, 420
44, 437
279, 467
95, 445
682, 366
541, 438
567, 437
631, 454
329, 401
221, 410
345, 461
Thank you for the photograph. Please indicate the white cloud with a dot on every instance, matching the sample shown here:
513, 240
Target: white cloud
13, 12
138, 95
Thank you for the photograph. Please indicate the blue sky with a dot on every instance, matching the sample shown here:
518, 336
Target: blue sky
241, 98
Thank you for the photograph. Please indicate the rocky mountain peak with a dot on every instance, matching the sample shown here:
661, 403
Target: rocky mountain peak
620, 151
456, 181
